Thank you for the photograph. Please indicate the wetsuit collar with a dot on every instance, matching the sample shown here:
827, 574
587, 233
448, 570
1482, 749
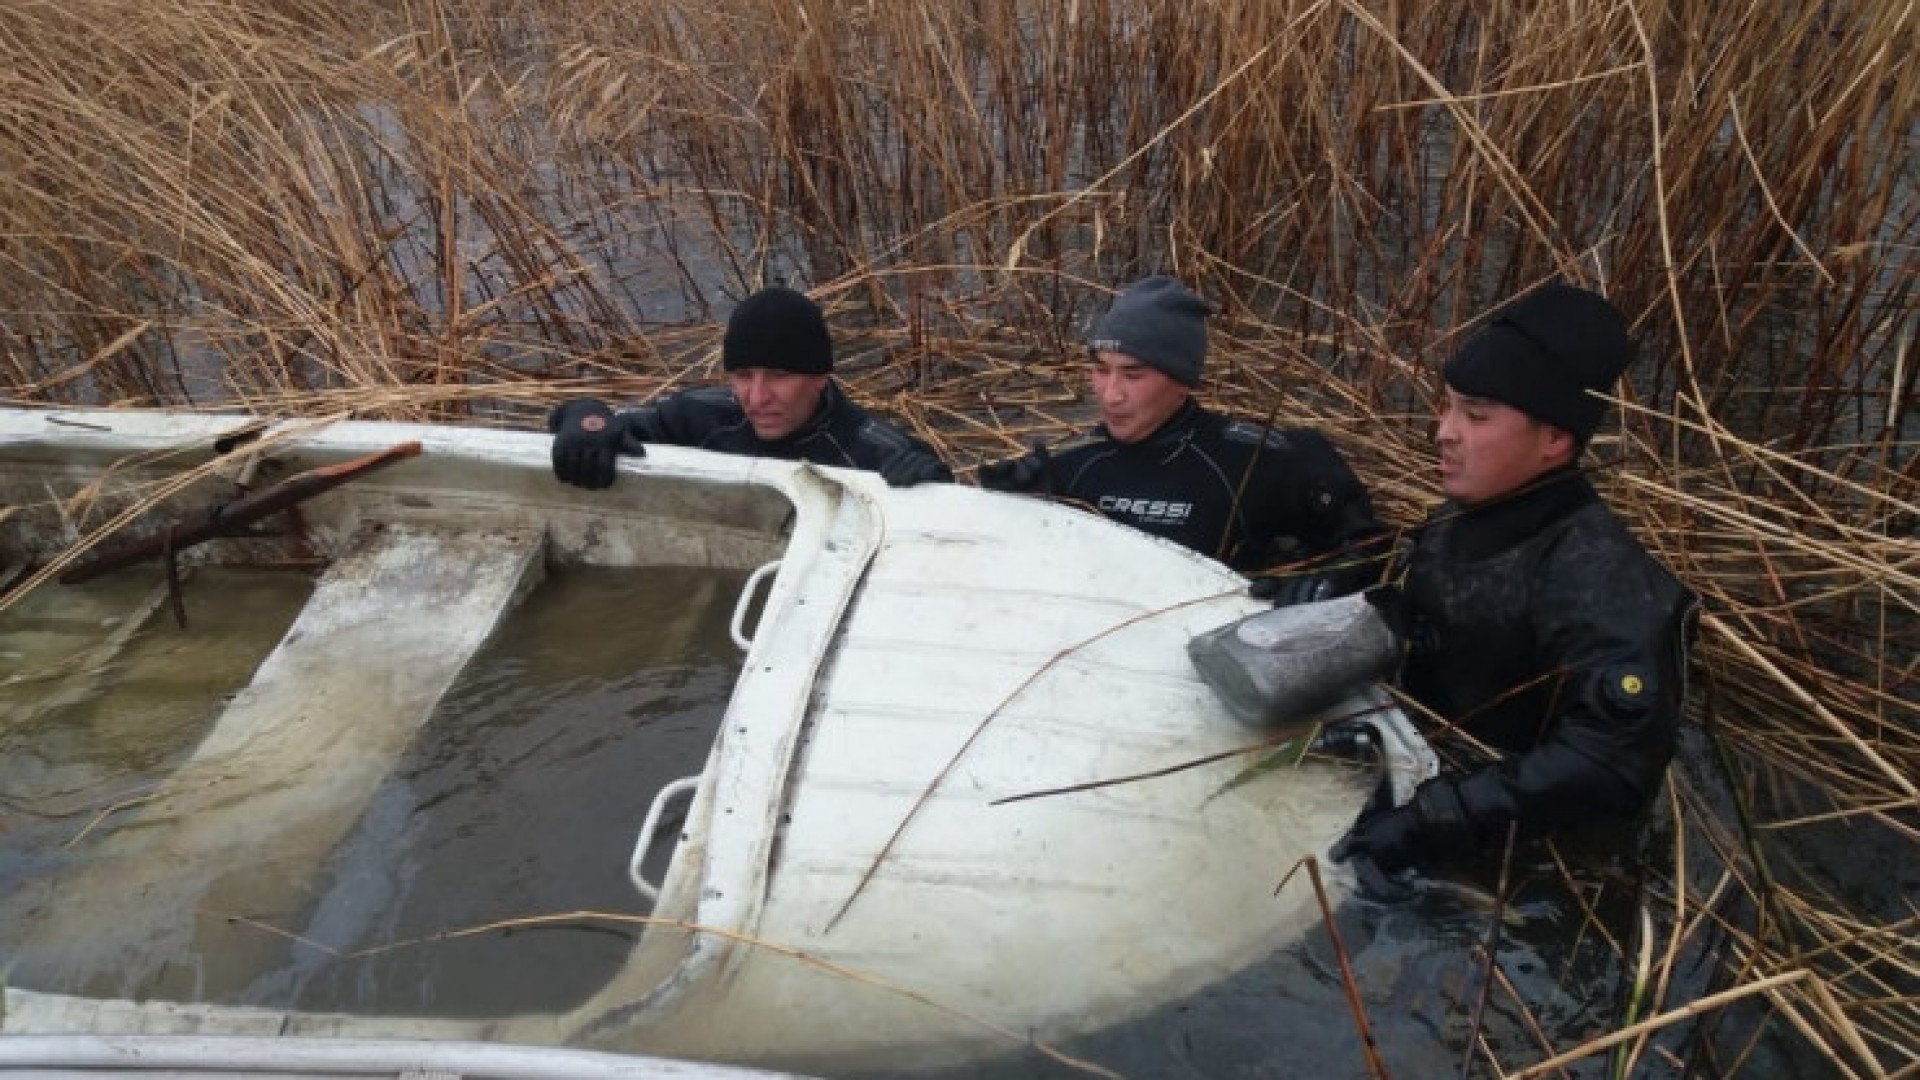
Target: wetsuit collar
1495, 526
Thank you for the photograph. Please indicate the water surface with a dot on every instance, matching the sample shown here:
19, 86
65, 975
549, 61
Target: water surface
520, 796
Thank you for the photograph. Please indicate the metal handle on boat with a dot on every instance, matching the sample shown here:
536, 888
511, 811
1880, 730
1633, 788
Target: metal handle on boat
738, 627
654, 813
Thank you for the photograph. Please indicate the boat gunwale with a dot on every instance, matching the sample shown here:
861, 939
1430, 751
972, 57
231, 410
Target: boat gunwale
830, 541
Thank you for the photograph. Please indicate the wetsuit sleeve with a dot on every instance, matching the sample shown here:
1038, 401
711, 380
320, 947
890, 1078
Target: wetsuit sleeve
1314, 496
1614, 631
1032, 473
683, 418
881, 444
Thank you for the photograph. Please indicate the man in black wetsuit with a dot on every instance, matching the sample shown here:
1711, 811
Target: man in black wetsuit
1239, 492
1536, 623
780, 401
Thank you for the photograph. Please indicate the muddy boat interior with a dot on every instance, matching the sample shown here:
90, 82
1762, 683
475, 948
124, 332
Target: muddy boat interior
300, 766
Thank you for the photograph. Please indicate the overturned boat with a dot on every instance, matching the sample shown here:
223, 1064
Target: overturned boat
835, 871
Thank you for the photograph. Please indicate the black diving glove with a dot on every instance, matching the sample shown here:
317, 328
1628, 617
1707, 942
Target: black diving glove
911, 465
1432, 828
586, 439
1027, 473
1388, 840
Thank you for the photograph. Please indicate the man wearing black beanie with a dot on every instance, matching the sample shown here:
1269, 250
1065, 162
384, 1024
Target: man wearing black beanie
1254, 498
1535, 622
780, 401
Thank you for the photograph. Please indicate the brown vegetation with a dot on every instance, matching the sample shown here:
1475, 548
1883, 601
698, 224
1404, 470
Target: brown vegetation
461, 210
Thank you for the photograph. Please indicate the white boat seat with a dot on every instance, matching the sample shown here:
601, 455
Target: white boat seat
246, 824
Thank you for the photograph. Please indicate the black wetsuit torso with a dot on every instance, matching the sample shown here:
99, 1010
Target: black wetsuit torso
1543, 629
839, 433
1239, 492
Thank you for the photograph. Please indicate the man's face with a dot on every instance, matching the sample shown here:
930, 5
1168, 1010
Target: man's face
1134, 399
1488, 449
776, 402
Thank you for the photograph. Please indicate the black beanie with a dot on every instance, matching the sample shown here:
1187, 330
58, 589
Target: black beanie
781, 329
1547, 354
1159, 323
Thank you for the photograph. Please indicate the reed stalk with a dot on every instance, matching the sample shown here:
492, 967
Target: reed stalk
463, 210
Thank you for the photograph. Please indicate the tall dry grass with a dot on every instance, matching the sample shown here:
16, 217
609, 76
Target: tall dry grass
461, 209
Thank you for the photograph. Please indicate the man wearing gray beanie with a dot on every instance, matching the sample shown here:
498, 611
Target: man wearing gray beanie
780, 401
1535, 623
1284, 502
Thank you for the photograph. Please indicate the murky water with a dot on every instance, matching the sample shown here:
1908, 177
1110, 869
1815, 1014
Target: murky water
521, 796
101, 693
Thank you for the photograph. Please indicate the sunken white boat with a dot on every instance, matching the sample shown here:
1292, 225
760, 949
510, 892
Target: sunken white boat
830, 884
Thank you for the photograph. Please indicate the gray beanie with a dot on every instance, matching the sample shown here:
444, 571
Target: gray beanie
1158, 322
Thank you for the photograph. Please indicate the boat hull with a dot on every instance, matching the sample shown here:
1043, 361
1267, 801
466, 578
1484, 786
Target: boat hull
859, 882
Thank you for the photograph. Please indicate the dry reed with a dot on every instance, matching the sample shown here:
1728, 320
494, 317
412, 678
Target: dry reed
461, 210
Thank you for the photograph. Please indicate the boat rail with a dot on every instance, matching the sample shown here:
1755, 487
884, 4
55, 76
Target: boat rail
650, 827
736, 626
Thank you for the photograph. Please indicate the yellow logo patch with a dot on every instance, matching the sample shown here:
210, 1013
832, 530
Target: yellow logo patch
1632, 684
